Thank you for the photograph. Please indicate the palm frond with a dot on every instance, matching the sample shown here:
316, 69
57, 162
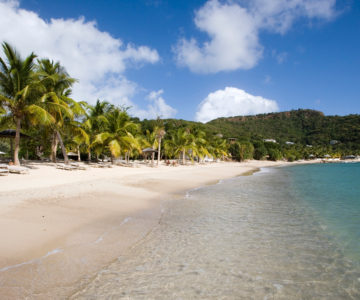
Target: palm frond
114, 148
38, 115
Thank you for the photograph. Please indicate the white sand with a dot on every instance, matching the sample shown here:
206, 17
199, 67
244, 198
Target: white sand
79, 213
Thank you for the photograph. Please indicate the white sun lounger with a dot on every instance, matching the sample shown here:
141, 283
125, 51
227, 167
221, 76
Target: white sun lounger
18, 170
4, 172
78, 166
66, 167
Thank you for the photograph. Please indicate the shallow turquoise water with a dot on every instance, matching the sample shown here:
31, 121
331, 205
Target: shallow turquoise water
332, 193
272, 235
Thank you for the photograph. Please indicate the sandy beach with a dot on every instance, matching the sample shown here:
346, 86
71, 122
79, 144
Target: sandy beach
58, 227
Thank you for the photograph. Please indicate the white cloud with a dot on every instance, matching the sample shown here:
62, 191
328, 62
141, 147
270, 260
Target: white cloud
234, 40
279, 15
94, 57
157, 107
233, 102
233, 29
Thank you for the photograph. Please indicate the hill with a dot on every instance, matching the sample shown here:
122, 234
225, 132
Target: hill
310, 133
302, 126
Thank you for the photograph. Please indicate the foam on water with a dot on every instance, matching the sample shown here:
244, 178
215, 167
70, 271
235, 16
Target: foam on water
36, 260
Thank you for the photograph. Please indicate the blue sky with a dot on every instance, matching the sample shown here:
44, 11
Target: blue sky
198, 60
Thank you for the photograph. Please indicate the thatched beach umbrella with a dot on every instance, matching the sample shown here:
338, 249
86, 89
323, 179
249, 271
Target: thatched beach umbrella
148, 151
73, 154
10, 134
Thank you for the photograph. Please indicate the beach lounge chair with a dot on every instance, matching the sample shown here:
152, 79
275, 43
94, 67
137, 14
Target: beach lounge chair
4, 172
104, 165
18, 170
66, 167
78, 166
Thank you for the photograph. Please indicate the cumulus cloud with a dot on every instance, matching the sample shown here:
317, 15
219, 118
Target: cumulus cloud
94, 57
157, 107
233, 28
279, 15
232, 101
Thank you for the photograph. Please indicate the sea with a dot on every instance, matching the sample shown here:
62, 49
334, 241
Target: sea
280, 233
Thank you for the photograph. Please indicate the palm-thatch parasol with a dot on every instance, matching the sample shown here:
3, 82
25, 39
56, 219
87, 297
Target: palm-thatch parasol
72, 154
10, 134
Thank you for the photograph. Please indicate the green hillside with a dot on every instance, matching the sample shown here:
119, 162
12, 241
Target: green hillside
310, 131
299, 126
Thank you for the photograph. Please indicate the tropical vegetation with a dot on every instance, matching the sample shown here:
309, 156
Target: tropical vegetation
35, 100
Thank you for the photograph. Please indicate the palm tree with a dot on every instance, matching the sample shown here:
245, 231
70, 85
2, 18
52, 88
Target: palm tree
201, 144
119, 134
159, 133
77, 136
150, 140
56, 100
96, 123
20, 92
182, 142
218, 147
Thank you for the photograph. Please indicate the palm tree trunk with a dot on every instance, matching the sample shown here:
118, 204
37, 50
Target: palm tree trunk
159, 148
17, 142
78, 152
54, 144
63, 149
183, 157
89, 154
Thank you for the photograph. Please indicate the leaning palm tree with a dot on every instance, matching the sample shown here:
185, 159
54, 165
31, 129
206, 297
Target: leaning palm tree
20, 92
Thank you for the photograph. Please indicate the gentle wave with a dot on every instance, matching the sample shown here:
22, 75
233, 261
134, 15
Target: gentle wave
35, 260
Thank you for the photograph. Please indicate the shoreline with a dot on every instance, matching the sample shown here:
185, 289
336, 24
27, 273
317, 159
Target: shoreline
88, 217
